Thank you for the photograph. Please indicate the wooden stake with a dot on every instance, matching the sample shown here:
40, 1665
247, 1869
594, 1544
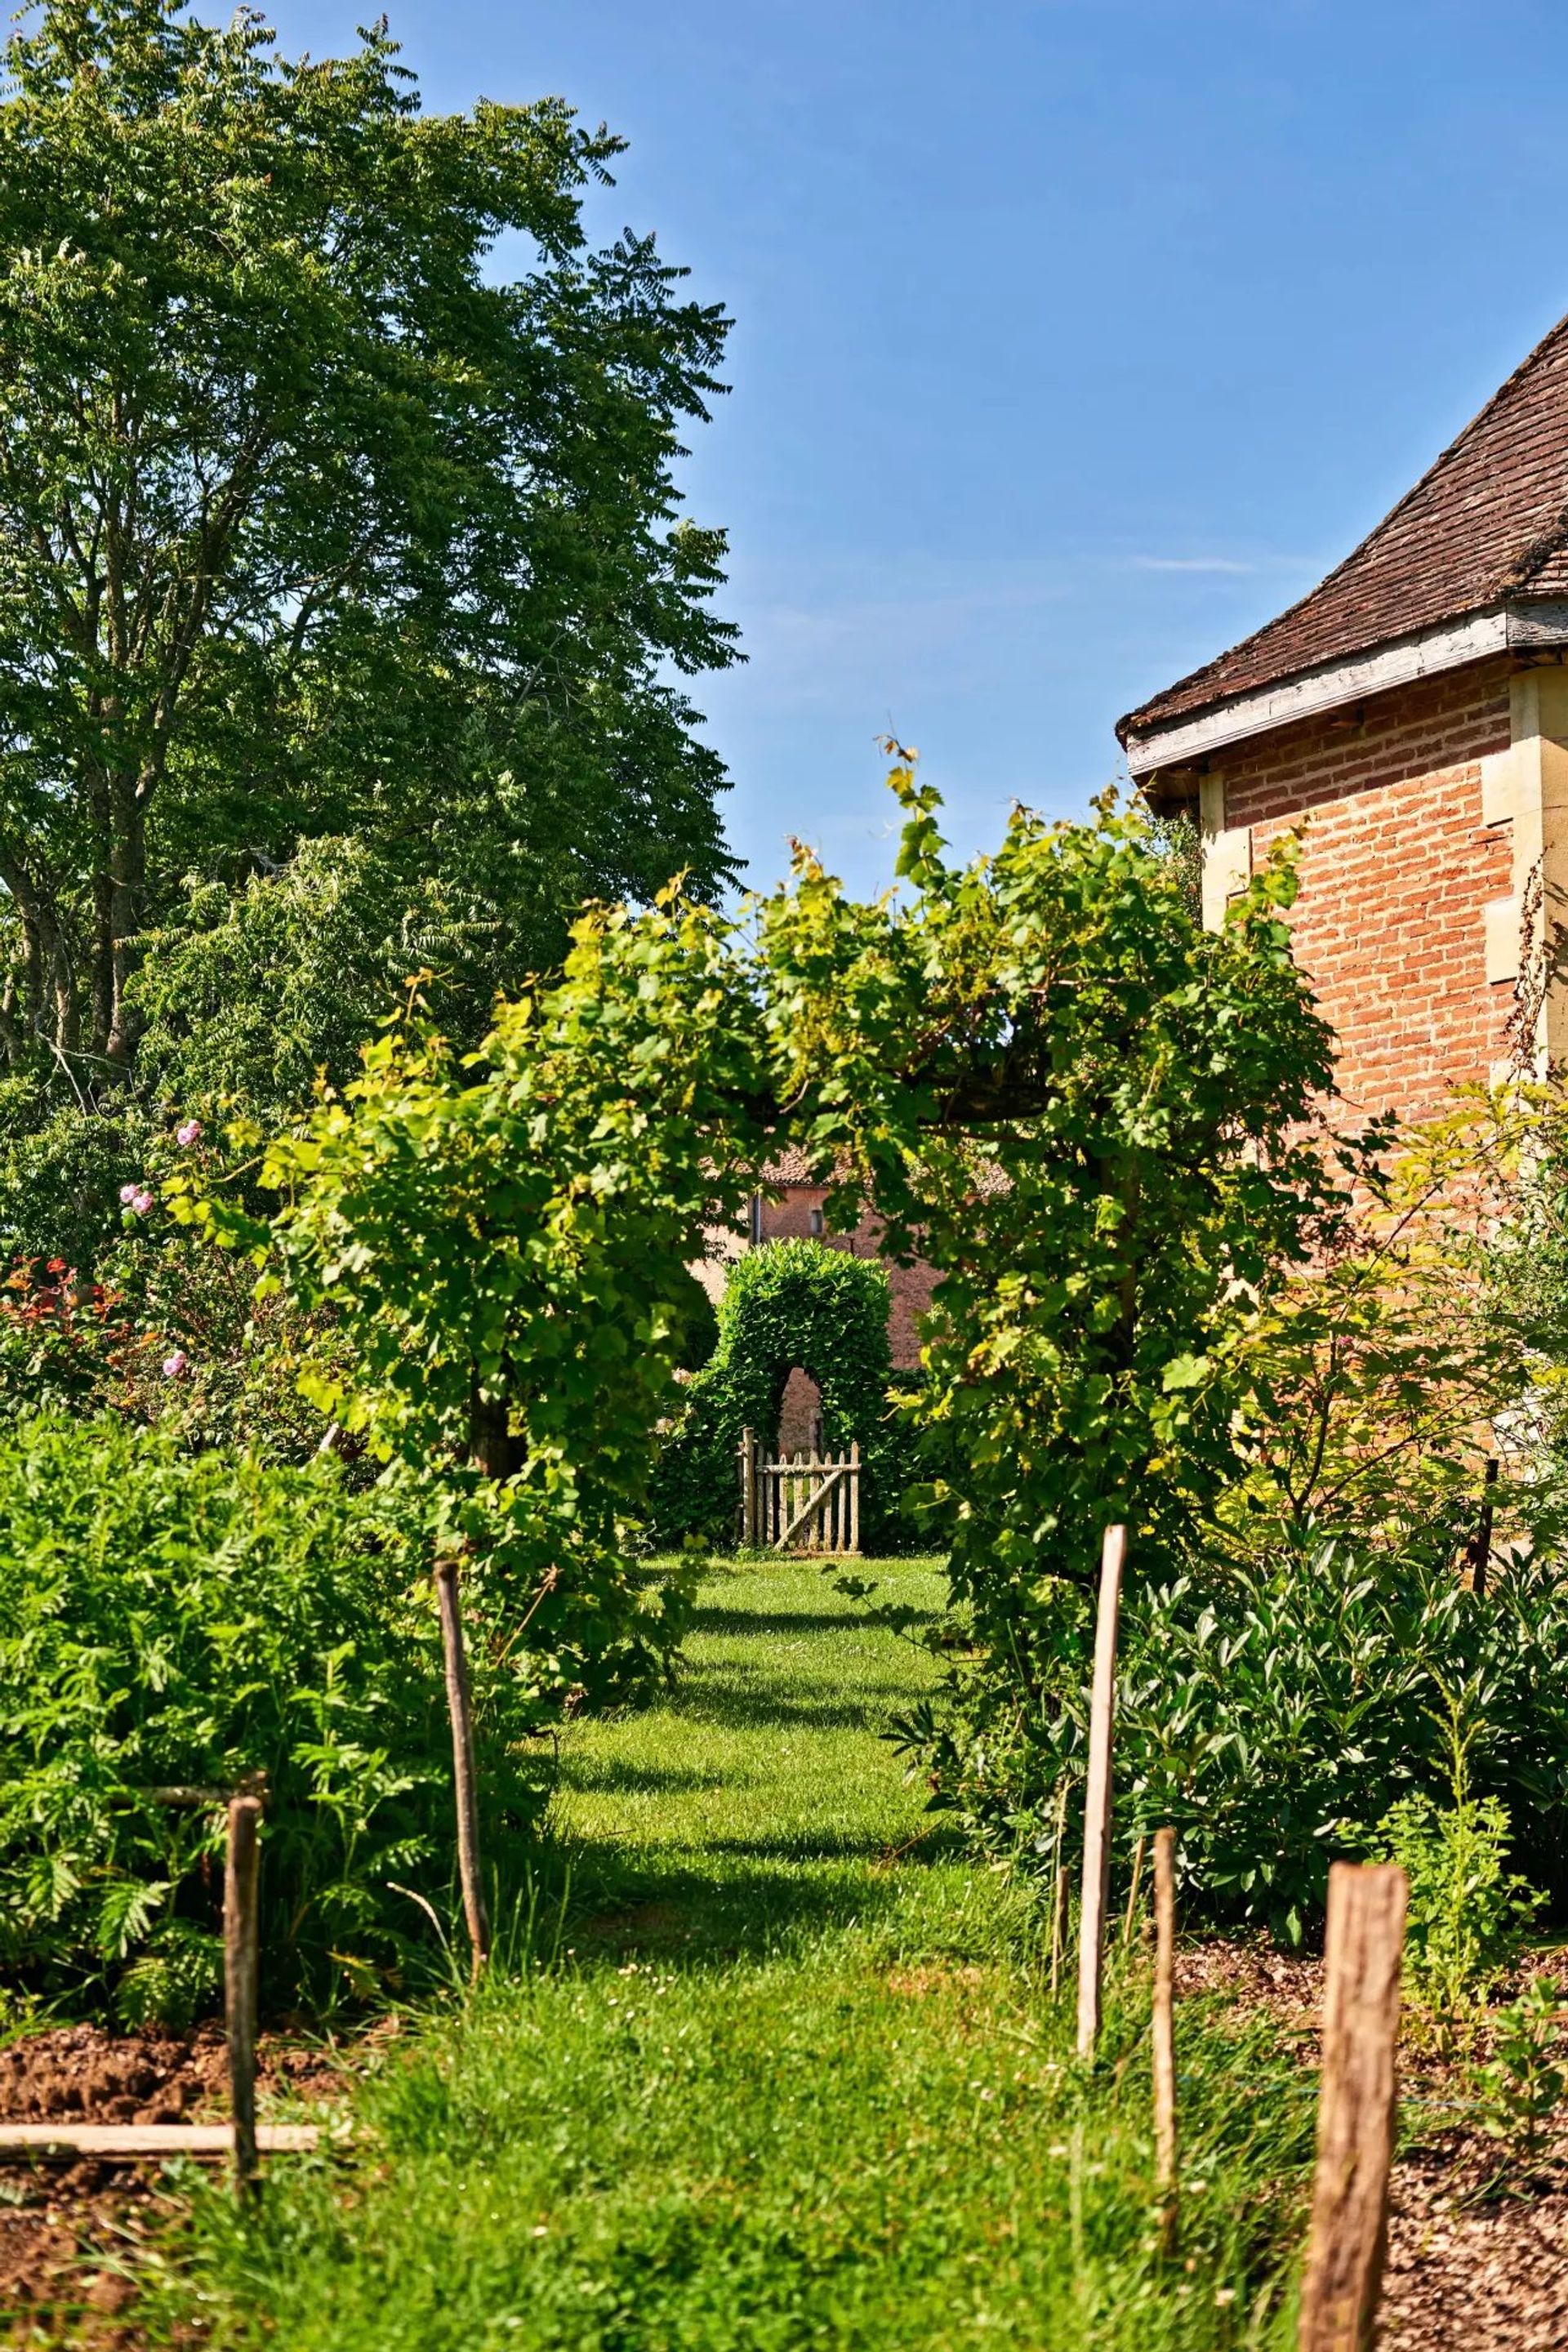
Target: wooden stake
1480, 1552
1164, 2034
241, 1947
1356, 2105
748, 1488
1097, 1793
461, 1713
1134, 1890
855, 1496
1059, 1892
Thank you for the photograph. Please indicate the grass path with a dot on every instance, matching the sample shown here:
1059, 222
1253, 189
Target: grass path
790, 2082
760, 1805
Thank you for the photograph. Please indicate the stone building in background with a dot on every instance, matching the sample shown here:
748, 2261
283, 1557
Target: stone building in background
1410, 716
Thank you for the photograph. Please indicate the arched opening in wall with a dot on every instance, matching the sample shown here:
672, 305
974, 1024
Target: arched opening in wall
800, 1414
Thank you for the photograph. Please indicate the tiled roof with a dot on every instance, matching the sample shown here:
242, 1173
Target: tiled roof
791, 1166
1488, 520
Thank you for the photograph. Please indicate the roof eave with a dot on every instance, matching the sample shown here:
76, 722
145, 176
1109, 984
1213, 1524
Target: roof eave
1512, 626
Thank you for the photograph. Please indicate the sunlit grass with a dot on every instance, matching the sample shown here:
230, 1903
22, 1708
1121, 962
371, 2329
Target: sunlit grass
785, 2076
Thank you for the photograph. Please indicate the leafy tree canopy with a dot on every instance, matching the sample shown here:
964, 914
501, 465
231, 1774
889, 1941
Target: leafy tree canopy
312, 526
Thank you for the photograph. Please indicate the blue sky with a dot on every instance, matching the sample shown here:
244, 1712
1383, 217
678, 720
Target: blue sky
1073, 339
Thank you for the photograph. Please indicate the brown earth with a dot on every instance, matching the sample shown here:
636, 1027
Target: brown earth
70, 2231
1478, 2259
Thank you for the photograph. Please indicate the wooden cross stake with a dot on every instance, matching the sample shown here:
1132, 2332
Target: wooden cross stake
1164, 2034
461, 1713
241, 1946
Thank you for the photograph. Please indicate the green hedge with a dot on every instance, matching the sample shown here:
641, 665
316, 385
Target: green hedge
790, 1303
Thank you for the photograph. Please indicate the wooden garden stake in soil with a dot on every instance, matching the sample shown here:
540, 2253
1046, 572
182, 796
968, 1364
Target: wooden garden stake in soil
1356, 2106
854, 1494
1096, 1794
241, 1945
1164, 2033
748, 1488
461, 1713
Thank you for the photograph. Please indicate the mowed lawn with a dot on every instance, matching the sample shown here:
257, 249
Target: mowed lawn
785, 2074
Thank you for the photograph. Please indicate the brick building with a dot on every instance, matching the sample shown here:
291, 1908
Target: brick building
1410, 715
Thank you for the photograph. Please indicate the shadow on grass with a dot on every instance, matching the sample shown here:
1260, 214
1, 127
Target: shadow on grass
934, 1845
745, 1622
762, 1898
743, 1711
617, 1776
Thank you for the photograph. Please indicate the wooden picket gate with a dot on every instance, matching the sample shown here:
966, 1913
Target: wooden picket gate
800, 1502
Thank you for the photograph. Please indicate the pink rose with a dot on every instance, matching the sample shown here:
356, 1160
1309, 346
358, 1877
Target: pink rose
140, 1201
175, 1365
128, 1193
191, 1132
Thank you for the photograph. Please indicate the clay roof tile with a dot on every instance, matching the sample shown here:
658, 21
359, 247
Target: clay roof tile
1487, 521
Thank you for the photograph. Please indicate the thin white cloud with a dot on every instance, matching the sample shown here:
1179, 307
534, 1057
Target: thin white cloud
1190, 563
873, 635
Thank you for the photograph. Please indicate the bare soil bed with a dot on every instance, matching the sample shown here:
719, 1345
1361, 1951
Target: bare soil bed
1476, 2263
69, 2230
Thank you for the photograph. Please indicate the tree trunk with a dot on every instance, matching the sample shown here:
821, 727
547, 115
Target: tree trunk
126, 878
38, 942
492, 1448
102, 915
67, 1024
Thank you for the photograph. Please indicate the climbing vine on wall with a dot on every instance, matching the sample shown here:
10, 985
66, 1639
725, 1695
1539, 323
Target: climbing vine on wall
792, 1303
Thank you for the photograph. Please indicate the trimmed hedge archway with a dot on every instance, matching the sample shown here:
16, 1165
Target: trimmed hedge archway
789, 1303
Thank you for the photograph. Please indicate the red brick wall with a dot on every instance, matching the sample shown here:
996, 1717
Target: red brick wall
1396, 867
789, 1218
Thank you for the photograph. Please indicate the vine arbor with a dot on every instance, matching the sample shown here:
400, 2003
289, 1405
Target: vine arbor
1086, 1113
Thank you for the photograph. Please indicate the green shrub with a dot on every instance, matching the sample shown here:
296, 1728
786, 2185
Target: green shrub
61, 1167
792, 1303
170, 1619
1468, 1916
1524, 2084
1275, 1712
157, 1325
167, 1331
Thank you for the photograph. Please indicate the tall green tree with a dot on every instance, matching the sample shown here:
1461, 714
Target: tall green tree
312, 525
